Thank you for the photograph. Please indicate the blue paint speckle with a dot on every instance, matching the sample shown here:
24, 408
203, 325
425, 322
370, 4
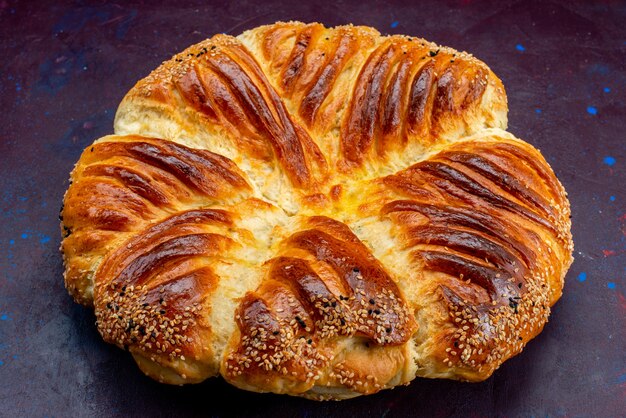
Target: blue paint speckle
582, 277
23, 198
621, 378
1, 363
607, 90
24, 235
4, 317
592, 110
537, 111
520, 47
608, 160
612, 198
395, 24
55, 73
125, 24
44, 239
610, 285
11, 242
76, 19
601, 69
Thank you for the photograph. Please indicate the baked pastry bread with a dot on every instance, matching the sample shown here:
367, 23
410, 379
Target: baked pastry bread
316, 212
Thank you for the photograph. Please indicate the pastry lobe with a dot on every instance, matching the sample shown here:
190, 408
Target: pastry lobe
152, 296
121, 184
486, 226
386, 94
325, 309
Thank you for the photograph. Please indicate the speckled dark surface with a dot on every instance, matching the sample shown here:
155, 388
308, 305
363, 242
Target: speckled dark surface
64, 69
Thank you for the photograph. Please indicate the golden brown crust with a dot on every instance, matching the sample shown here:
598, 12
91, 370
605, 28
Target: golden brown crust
325, 284
404, 90
151, 295
501, 245
318, 212
122, 183
219, 80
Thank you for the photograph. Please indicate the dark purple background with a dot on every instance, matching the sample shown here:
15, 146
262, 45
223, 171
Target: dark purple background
64, 69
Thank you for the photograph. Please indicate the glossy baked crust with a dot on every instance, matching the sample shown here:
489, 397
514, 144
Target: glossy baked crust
317, 212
